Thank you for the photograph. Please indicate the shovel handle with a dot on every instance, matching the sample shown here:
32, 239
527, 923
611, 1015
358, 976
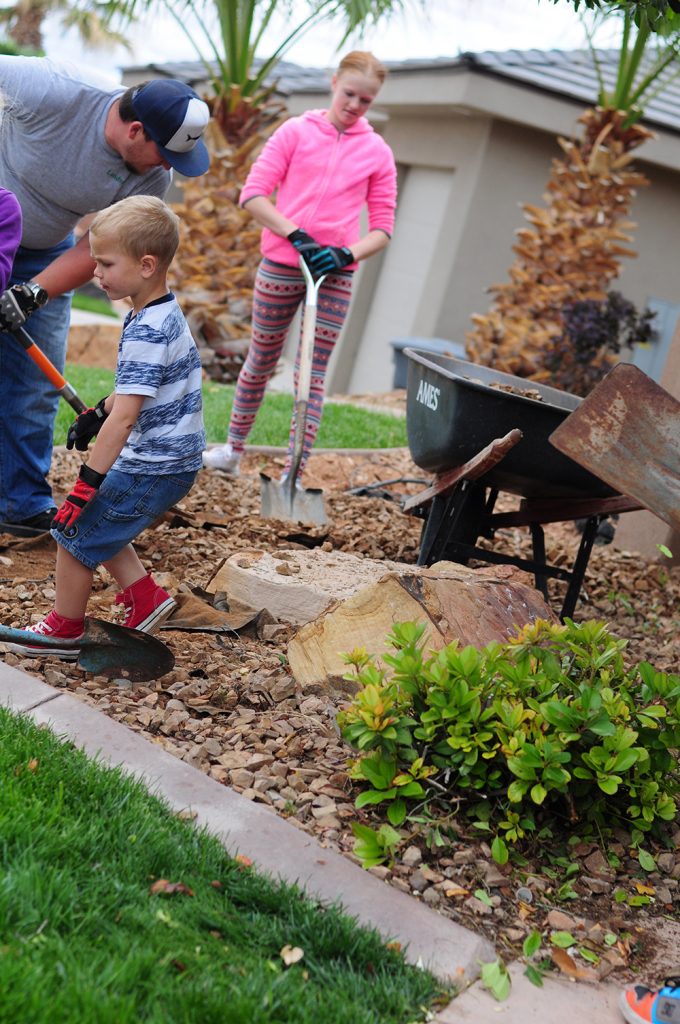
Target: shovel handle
49, 369
308, 332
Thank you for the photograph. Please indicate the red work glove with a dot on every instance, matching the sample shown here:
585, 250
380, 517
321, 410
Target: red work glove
88, 483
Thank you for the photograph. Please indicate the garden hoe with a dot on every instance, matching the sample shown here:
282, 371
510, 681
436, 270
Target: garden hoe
106, 649
284, 499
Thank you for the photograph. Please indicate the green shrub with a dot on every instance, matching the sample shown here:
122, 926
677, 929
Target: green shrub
548, 728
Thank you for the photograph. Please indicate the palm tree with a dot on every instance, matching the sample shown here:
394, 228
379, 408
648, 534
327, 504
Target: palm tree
573, 248
215, 268
91, 19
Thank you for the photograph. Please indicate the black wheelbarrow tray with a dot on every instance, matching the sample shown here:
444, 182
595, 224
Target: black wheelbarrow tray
454, 409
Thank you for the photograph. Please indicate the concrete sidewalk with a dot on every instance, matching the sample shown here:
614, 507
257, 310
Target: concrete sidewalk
284, 852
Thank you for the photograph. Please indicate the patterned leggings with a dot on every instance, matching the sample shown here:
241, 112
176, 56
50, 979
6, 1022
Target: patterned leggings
279, 290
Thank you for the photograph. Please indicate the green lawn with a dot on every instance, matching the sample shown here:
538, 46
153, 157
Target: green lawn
84, 940
342, 426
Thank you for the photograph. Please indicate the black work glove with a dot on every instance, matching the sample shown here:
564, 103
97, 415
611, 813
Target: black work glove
86, 426
328, 259
303, 243
18, 302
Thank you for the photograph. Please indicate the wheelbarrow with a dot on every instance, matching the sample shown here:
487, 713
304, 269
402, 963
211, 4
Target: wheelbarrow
627, 431
480, 432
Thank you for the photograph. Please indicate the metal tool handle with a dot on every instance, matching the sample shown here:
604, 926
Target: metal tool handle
308, 332
305, 366
49, 369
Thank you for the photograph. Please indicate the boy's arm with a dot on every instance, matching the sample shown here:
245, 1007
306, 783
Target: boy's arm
123, 411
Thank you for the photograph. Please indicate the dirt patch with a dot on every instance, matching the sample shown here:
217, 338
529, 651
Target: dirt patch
231, 709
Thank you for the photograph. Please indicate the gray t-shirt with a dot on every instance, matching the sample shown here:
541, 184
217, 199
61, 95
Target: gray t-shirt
53, 154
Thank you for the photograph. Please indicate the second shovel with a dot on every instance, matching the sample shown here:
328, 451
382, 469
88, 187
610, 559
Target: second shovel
284, 499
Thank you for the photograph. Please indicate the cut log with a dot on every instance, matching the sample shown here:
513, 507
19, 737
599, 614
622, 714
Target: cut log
296, 586
473, 606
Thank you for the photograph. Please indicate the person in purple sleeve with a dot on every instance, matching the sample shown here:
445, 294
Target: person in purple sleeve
10, 234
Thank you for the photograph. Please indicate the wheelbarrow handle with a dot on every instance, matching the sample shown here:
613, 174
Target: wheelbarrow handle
49, 369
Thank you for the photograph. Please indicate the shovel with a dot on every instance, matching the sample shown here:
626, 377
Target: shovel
107, 650
49, 369
284, 500
12, 319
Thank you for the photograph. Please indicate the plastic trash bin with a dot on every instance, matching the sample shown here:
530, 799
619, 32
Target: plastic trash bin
440, 346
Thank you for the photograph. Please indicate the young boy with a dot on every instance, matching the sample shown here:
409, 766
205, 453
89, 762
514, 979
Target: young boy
149, 432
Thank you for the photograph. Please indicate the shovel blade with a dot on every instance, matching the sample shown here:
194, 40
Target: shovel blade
116, 651
107, 649
289, 503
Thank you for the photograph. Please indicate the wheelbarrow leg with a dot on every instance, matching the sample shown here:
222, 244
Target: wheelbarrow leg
579, 567
453, 520
429, 536
538, 545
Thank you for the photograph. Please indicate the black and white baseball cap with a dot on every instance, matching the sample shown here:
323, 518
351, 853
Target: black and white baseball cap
175, 118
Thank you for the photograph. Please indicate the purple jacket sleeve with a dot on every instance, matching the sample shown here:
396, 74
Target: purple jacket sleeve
10, 234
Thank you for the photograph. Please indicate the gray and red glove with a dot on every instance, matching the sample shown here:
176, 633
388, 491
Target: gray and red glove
86, 426
88, 483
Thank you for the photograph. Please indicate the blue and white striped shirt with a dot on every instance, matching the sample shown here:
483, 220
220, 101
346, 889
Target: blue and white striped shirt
157, 357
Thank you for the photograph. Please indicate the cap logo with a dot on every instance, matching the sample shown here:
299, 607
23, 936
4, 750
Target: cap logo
191, 129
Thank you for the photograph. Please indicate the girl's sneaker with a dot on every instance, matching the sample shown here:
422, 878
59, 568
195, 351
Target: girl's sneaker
642, 1005
224, 458
147, 605
68, 631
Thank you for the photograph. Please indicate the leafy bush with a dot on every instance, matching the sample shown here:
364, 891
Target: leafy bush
547, 728
594, 332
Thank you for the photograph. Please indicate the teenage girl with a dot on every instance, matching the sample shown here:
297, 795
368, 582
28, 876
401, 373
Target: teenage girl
325, 166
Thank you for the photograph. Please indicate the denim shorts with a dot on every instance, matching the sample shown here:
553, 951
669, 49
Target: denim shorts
124, 505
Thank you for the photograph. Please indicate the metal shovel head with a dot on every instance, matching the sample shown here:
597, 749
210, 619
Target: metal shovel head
107, 649
289, 503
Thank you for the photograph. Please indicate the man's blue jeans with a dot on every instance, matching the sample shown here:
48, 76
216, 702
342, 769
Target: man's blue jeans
28, 402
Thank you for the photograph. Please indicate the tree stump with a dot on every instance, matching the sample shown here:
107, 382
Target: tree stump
342, 601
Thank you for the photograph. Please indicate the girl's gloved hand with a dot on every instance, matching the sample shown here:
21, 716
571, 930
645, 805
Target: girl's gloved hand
329, 259
303, 243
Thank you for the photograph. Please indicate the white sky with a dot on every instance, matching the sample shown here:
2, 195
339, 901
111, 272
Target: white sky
446, 28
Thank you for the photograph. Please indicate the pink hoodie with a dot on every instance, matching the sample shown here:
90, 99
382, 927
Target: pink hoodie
324, 178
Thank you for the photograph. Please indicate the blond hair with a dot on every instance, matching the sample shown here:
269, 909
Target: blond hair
140, 226
363, 62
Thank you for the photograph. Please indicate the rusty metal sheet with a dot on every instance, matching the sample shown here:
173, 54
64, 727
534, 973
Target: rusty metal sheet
627, 432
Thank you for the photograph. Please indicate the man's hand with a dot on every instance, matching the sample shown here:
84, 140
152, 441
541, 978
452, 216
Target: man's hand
88, 483
18, 302
329, 259
86, 426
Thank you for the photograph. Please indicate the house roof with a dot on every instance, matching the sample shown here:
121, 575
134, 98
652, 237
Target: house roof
569, 74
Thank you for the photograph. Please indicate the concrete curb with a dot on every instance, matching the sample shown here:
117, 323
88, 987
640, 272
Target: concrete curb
276, 847
559, 1001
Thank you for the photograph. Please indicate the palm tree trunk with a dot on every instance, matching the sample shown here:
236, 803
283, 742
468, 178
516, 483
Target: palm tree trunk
571, 252
214, 271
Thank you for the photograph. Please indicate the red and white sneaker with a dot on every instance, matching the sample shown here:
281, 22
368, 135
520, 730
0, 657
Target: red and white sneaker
147, 605
57, 627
